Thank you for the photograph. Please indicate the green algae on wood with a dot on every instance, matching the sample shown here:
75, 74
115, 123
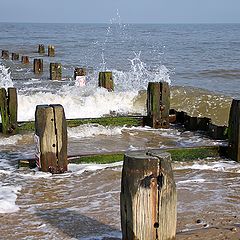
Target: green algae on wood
105, 80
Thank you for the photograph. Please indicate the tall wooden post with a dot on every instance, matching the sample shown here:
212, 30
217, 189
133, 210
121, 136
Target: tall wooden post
158, 104
148, 196
38, 66
51, 132
41, 49
25, 60
55, 71
15, 56
8, 110
234, 131
51, 51
5, 54
105, 80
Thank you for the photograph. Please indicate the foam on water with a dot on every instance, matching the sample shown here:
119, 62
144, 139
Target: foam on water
5, 77
8, 196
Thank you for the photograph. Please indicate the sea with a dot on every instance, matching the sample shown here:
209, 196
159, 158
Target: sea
201, 62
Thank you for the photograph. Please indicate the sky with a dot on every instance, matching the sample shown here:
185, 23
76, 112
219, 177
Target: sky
130, 11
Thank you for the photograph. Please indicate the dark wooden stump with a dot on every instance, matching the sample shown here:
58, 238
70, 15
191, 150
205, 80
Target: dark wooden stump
8, 110
148, 196
5, 54
51, 132
38, 66
79, 72
51, 51
234, 131
41, 49
15, 56
105, 80
25, 60
55, 71
158, 104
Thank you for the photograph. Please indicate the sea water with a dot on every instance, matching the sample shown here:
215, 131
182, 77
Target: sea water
199, 61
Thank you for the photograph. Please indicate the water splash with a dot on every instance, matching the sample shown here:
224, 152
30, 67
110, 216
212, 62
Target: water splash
5, 77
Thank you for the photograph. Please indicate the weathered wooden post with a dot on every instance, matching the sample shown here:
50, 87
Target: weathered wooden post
38, 66
41, 49
15, 56
234, 131
8, 110
80, 76
55, 71
25, 60
51, 51
148, 196
105, 80
158, 104
5, 54
51, 132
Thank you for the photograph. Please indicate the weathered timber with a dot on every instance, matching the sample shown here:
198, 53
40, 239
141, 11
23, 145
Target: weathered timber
217, 132
196, 123
38, 66
51, 130
5, 54
41, 49
25, 60
55, 71
148, 198
51, 51
158, 105
8, 110
80, 72
15, 56
187, 154
234, 131
105, 80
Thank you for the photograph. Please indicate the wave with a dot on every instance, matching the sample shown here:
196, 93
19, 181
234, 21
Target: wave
221, 73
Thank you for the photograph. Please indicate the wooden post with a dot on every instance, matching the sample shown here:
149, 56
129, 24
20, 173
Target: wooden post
5, 54
41, 49
148, 196
55, 71
79, 72
158, 104
51, 51
38, 66
234, 131
8, 110
51, 132
105, 80
25, 60
15, 56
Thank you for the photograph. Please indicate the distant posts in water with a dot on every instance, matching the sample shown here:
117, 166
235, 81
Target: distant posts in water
80, 76
148, 196
105, 80
51, 137
41, 49
15, 56
51, 51
38, 66
234, 131
25, 60
55, 71
8, 110
158, 104
5, 54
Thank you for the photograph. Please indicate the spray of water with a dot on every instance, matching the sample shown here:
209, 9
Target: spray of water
5, 77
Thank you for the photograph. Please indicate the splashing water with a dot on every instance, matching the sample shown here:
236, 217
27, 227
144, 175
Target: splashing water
5, 78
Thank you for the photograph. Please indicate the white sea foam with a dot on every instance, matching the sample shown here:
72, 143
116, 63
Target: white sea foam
5, 77
12, 140
8, 196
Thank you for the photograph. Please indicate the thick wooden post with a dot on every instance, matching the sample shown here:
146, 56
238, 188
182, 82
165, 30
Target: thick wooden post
51, 132
55, 71
15, 56
158, 104
38, 66
51, 51
5, 54
105, 80
148, 197
25, 60
234, 131
41, 49
8, 110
